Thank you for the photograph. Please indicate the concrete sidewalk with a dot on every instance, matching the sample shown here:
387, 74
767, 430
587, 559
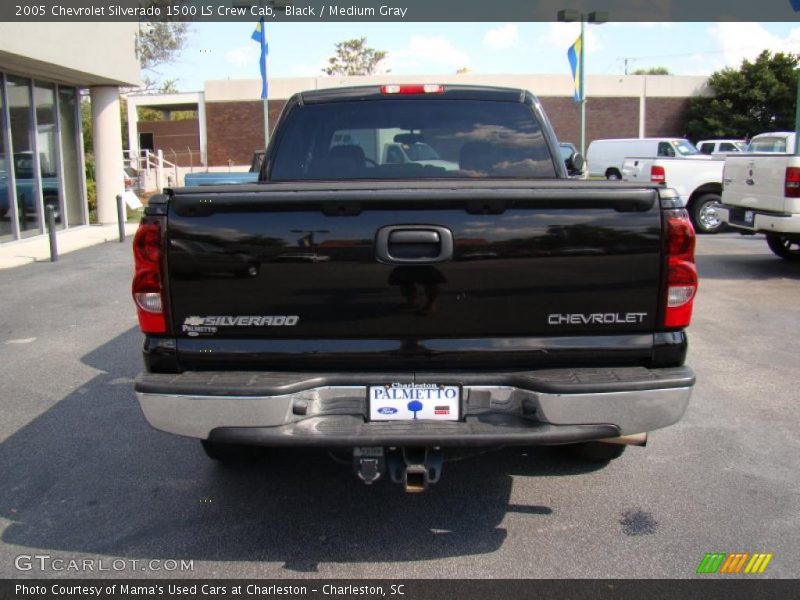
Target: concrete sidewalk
23, 252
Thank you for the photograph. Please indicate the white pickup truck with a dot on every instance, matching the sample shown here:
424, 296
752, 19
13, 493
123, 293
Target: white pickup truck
762, 193
697, 182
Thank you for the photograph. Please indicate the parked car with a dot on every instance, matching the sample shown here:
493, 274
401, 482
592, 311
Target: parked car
568, 152
227, 177
721, 146
761, 193
779, 141
605, 157
568, 330
697, 182
27, 196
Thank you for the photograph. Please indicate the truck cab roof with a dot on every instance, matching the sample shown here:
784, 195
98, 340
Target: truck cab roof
380, 92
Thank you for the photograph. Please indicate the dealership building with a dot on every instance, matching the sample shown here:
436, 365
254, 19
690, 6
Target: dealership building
44, 70
230, 121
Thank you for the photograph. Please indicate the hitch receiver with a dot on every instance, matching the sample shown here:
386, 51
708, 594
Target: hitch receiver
415, 468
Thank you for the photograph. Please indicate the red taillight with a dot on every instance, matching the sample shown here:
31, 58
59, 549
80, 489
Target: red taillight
681, 272
657, 174
416, 88
148, 293
792, 182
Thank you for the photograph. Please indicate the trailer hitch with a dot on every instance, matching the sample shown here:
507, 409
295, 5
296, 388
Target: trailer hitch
415, 468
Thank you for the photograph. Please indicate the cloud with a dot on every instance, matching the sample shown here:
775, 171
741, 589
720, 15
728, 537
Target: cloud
563, 35
746, 40
502, 38
423, 51
243, 55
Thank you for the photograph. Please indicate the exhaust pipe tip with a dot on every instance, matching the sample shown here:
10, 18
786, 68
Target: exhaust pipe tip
634, 439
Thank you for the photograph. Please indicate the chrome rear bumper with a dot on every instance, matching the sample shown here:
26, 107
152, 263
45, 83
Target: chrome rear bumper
336, 414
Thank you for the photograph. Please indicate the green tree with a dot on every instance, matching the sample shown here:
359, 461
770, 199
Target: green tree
159, 44
759, 96
653, 71
353, 57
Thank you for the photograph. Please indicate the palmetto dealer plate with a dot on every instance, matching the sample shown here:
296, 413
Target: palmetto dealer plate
410, 401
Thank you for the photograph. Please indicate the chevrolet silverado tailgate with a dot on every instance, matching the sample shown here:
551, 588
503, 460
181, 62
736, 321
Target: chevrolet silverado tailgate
395, 261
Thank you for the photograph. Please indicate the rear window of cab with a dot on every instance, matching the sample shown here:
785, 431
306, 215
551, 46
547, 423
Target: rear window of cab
412, 139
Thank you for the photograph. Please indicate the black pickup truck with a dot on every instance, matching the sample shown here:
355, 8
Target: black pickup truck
474, 296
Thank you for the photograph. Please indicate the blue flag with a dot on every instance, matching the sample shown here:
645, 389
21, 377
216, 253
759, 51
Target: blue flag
574, 56
260, 36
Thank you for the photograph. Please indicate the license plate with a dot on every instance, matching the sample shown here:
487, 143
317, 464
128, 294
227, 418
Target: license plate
749, 216
410, 401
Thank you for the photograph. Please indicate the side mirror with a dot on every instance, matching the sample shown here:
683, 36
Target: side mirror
578, 162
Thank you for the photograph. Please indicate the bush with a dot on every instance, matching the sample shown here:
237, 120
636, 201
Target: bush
91, 188
91, 198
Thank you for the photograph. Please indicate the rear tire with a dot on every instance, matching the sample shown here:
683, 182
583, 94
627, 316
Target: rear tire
231, 453
613, 175
594, 452
704, 217
781, 245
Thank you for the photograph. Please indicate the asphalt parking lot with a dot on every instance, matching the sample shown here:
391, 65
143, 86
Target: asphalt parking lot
83, 476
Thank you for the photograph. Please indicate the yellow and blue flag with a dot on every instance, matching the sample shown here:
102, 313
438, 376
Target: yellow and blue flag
260, 36
574, 56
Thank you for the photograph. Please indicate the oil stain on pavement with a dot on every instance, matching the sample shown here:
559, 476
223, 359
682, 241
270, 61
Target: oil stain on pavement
638, 522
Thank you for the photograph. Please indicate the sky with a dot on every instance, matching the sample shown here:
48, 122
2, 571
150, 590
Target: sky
225, 50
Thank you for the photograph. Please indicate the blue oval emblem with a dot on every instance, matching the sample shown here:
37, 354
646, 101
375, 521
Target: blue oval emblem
387, 410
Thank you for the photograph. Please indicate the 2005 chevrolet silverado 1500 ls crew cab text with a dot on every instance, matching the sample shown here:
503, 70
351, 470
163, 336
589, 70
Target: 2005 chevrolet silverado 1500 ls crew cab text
400, 309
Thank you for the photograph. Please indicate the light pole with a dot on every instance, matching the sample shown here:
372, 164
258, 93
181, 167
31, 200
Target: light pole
567, 16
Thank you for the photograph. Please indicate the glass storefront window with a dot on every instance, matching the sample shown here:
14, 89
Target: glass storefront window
44, 96
21, 122
40, 150
6, 231
70, 159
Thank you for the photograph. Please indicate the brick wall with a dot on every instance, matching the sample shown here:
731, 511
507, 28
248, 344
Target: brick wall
665, 117
613, 117
178, 140
564, 115
236, 129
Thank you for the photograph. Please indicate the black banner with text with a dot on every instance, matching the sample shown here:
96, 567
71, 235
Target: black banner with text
734, 588
396, 10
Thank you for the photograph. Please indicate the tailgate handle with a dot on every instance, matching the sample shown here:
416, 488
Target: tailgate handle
413, 244
414, 236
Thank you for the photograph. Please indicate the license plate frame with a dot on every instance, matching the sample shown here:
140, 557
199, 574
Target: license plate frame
439, 402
